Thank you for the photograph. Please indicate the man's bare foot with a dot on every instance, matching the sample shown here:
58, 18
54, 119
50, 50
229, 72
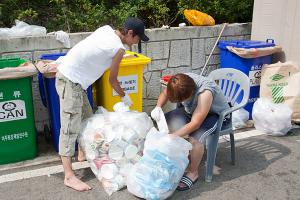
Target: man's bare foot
81, 156
76, 184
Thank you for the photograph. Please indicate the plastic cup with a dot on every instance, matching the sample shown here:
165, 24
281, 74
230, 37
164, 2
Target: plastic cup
131, 151
109, 134
109, 171
129, 135
115, 152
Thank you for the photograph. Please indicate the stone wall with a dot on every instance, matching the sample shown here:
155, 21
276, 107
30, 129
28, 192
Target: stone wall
171, 50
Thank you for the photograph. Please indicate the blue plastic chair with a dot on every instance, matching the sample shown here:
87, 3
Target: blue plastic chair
236, 88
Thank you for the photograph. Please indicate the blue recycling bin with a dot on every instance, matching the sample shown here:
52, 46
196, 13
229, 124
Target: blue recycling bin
50, 100
250, 66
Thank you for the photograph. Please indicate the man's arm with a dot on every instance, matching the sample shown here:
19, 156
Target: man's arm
199, 115
114, 69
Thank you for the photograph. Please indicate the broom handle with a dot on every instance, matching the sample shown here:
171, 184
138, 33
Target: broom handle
224, 25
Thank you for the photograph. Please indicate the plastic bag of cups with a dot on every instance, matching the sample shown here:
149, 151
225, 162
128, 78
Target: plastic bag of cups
159, 171
113, 142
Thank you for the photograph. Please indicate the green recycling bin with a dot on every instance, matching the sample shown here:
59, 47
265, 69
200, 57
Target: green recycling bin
17, 128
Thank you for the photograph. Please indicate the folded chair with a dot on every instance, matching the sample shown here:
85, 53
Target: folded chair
236, 88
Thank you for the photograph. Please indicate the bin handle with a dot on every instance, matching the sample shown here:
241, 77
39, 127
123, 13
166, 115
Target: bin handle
272, 41
42, 89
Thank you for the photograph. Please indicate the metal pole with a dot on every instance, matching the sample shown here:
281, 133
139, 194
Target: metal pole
224, 25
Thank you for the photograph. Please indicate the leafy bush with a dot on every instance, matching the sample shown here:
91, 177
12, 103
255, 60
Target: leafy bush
88, 15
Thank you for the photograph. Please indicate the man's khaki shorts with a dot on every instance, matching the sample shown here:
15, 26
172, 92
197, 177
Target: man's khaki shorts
74, 107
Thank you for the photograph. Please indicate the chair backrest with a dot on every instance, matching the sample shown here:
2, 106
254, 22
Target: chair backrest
233, 83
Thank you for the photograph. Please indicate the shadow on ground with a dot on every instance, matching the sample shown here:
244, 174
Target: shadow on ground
253, 155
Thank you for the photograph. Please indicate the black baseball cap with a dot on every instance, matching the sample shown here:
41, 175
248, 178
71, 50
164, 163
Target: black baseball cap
137, 25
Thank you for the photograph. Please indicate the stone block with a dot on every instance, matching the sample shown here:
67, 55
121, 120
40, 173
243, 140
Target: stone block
38, 54
145, 69
149, 105
147, 109
40, 111
23, 55
237, 29
147, 76
172, 71
64, 50
153, 87
135, 48
197, 71
237, 37
158, 50
247, 37
207, 70
156, 65
198, 53
144, 88
33, 43
150, 102
209, 44
210, 31
174, 33
214, 59
77, 37
30, 44
180, 53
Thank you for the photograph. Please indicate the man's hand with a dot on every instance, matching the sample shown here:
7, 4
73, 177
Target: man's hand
126, 99
156, 112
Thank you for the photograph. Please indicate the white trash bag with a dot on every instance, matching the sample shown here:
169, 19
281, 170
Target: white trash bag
22, 29
239, 118
113, 142
273, 119
158, 172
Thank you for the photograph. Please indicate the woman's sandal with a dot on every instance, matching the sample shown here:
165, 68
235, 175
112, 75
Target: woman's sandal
188, 183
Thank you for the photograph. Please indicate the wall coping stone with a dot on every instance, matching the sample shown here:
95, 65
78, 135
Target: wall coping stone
48, 42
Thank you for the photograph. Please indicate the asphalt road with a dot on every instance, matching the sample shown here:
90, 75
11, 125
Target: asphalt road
267, 168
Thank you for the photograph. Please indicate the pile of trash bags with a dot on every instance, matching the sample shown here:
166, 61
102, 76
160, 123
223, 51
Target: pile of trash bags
273, 119
113, 143
124, 148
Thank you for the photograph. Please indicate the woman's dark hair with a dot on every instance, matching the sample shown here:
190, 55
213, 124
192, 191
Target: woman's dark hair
124, 31
180, 87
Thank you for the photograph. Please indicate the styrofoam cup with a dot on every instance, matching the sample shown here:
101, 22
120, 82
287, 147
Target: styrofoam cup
131, 151
128, 135
109, 171
115, 152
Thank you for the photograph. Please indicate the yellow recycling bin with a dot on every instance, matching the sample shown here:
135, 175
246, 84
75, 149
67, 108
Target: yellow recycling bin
130, 77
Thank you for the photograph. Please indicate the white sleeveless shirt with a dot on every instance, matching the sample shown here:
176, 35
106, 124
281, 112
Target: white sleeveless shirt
91, 57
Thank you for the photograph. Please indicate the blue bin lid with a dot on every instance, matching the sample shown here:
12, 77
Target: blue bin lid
247, 44
54, 56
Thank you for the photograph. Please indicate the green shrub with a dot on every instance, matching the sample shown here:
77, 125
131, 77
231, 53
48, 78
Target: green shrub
88, 15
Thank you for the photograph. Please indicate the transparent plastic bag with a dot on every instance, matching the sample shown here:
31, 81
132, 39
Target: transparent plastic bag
22, 29
239, 118
273, 119
113, 142
157, 174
